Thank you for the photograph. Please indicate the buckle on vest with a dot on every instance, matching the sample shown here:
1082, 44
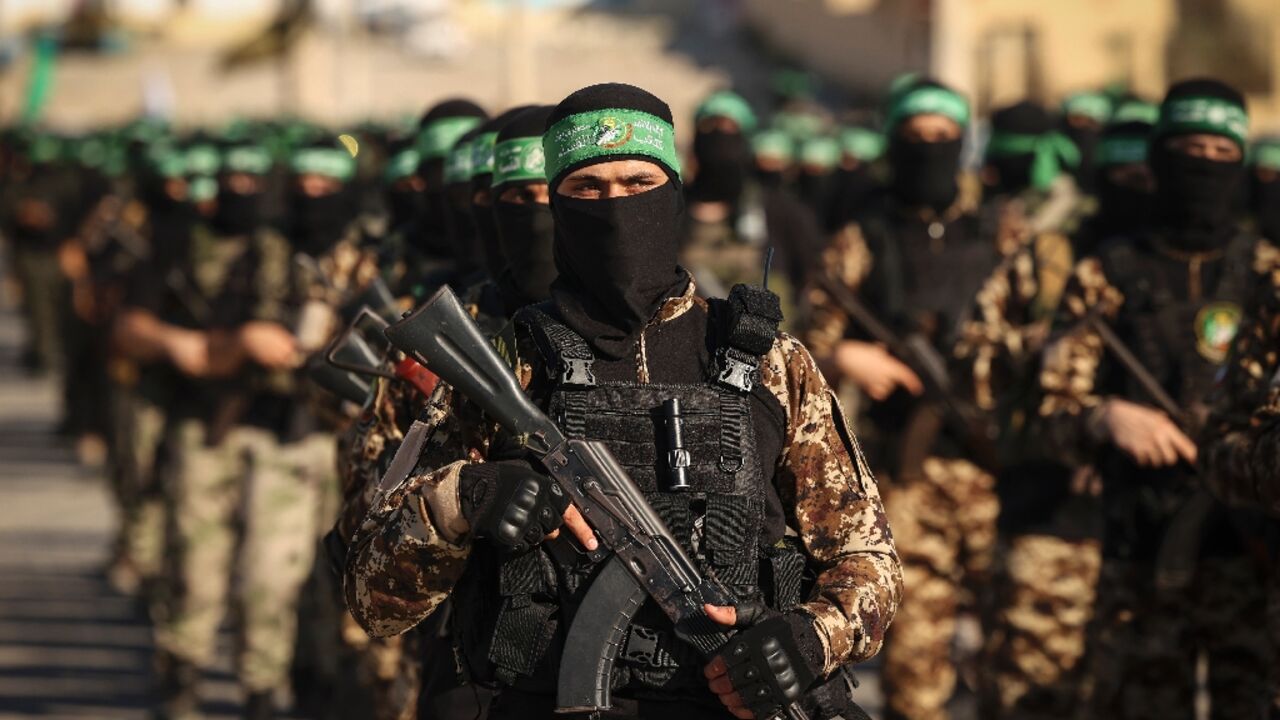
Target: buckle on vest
737, 370
577, 371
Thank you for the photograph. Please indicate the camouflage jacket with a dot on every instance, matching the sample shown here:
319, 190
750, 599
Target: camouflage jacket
1075, 359
1244, 430
410, 551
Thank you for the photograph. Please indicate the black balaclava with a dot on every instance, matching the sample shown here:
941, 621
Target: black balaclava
723, 159
460, 224
1024, 118
526, 232
1086, 140
239, 213
403, 205
485, 246
924, 174
1122, 209
318, 223
617, 258
433, 236
1194, 196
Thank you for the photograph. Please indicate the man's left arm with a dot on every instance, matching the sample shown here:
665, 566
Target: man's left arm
832, 502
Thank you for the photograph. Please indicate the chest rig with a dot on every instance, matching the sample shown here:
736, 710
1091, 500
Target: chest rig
692, 450
1181, 313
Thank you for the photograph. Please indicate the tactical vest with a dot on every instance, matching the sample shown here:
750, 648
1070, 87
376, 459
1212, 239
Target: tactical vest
513, 612
1182, 338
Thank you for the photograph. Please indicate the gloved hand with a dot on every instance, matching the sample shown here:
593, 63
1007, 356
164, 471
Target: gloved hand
767, 666
510, 504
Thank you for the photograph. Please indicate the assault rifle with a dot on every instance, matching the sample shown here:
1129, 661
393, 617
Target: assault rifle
641, 557
973, 428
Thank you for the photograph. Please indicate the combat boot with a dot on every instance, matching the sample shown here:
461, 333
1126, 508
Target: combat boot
259, 706
178, 697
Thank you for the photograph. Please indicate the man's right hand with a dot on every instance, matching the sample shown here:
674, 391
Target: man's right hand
1145, 434
516, 507
874, 370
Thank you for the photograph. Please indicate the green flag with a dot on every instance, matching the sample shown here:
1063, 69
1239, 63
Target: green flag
40, 80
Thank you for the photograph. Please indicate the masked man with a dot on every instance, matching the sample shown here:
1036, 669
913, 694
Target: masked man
785, 469
1178, 577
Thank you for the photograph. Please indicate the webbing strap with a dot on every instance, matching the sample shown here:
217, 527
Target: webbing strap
731, 429
567, 355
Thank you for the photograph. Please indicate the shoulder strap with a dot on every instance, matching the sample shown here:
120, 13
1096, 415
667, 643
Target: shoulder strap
1236, 280
747, 323
566, 354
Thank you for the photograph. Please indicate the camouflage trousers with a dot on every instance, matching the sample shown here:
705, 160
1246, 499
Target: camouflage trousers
944, 525
1149, 642
44, 298
1042, 602
139, 430
245, 510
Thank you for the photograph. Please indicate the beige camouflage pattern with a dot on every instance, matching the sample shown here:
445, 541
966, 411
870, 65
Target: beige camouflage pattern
410, 551
139, 429
1036, 662
1146, 643
269, 489
944, 521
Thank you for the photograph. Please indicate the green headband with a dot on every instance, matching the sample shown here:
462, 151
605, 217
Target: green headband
773, 144
436, 139
166, 161
44, 149
203, 160
729, 105
820, 151
604, 133
1122, 150
927, 100
250, 159
519, 160
1266, 154
457, 164
482, 153
329, 162
1050, 151
1136, 111
401, 165
1185, 116
862, 144
1092, 105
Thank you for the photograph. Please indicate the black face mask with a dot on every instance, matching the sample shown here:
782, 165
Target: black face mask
1265, 202
924, 174
1121, 208
1086, 141
462, 229
432, 236
403, 206
722, 159
526, 234
237, 213
770, 178
851, 192
317, 223
1194, 198
487, 240
617, 263
1014, 172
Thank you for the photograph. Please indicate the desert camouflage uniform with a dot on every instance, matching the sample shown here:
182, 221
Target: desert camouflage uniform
1045, 582
1147, 638
411, 550
943, 512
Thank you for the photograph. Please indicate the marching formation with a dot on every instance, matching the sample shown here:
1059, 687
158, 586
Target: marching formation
516, 414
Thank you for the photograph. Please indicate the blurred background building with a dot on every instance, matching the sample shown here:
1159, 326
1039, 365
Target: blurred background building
204, 61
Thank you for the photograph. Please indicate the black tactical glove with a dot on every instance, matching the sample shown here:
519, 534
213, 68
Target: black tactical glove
773, 663
510, 504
